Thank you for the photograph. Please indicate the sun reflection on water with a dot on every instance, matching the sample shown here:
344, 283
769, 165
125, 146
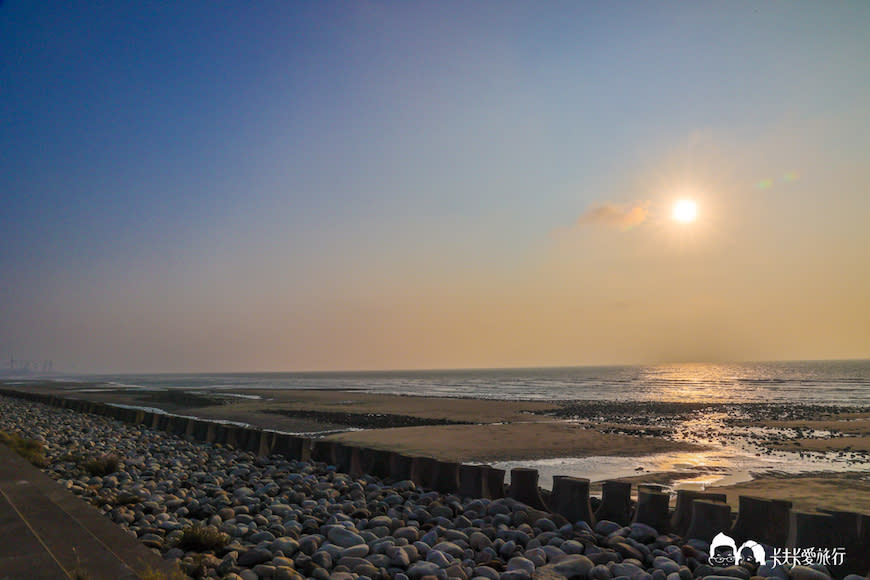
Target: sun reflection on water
693, 382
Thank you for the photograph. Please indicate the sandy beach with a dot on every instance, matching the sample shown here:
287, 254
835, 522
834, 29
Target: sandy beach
482, 431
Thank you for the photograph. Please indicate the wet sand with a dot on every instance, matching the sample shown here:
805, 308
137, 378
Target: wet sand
514, 441
849, 432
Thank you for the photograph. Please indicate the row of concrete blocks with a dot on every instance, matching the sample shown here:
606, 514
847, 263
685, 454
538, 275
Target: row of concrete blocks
696, 514
704, 515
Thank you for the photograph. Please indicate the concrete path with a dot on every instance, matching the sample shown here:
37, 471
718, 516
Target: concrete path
48, 533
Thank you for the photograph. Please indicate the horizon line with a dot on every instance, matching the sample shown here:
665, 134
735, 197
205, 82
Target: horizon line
460, 369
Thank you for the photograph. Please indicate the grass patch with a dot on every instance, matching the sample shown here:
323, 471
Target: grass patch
199, 538
30, 449
149, 573
103, 465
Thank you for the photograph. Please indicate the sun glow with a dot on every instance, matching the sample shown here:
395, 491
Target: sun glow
685, 210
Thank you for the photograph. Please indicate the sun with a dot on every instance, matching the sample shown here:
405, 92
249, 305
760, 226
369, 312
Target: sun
685, 210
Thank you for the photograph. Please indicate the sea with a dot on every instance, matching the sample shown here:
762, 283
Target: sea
829, 382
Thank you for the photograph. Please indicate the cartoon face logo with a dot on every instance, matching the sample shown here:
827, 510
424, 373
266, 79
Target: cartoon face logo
724, 551
752, 552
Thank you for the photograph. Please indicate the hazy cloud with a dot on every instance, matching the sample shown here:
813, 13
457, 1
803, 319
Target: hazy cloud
623, 216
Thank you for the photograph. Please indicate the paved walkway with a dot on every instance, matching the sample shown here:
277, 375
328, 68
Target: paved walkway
48, 533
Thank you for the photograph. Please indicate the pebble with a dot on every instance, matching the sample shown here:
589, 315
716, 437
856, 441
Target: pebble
666, 565
523, 564
807, 573
254, 557
343, 537
485, 572
440, 559
419, 569
288, 519
600, 572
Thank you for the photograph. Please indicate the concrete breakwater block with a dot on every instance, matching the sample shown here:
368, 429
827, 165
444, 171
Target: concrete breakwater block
524, 487
178, 426
200, 430
860, 561
253, 439
365, 461
189, 428
653, 509
810, 530
847, 534
763, 520
380, 462
323, 451
446, 477
230, 436
243, 437
372, 462
212, 432
124, 415
682, 516
709, 518
751, 520
846, 526
290, 446
342, 454
162, 422
472, 481
400, 467
570, 499
357, 467
267, 442
423, 471
615, 502
495, 482
149, 419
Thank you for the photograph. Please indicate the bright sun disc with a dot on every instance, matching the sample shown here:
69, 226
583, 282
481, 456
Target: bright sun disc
685, 210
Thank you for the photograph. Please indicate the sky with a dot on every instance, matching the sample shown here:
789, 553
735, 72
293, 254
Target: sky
285, 186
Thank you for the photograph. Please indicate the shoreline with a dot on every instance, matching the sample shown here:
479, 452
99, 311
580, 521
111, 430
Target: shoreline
594, 439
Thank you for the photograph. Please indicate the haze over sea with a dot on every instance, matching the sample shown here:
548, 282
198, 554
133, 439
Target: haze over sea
820, 382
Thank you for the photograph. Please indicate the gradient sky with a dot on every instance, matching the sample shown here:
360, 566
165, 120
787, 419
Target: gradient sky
243, 186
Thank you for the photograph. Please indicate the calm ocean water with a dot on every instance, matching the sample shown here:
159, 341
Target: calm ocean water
824, 382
